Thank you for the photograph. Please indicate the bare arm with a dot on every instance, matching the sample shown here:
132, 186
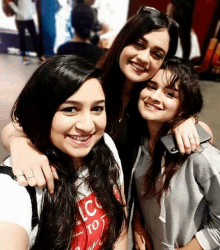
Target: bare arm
121, 243
26, 160
13, 237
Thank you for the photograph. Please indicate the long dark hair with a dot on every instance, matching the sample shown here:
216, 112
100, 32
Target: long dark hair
52, 83
183, 14
191, 102
113, 78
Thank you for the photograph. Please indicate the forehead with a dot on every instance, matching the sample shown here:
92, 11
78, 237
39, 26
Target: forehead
163, 76
89, 91
159, 38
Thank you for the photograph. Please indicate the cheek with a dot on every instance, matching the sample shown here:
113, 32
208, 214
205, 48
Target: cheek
155, 67
101, 122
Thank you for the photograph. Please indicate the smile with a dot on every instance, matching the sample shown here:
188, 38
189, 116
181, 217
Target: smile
152, 106
81, 140
137, 67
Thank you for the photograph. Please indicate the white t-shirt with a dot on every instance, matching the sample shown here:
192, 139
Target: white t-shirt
16, 206
25, 9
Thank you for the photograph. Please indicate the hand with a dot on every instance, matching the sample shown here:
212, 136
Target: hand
142, 240
30, 166
187, 137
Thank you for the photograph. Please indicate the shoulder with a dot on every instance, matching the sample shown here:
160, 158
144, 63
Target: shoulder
110, 143
15, 203
205, 162
64, 47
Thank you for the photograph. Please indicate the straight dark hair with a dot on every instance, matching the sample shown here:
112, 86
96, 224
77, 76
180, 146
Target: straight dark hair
53, 83
191, 102
112, 76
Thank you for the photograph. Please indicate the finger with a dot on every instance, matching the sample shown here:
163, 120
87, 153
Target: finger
187, 144
29, 175
54, 172
192, 142
48, 174
197, 140
39, 177
20, 178
180, 144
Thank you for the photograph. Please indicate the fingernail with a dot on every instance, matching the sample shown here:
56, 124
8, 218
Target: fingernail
51, 191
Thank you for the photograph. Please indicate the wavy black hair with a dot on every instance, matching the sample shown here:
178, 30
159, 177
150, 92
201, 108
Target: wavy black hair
51, 84
184, 75
113, 78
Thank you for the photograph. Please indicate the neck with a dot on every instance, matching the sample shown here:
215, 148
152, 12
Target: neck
79, 39
78, 162
127, 90
153, 128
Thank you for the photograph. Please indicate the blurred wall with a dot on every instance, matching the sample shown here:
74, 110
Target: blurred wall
205, 14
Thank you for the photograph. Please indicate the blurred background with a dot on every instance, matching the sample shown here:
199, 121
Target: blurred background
56, 34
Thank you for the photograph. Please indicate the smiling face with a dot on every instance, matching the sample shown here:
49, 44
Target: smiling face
141, 60
80, 121
159, 102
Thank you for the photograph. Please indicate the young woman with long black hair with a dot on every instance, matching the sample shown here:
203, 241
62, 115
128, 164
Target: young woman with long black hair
146, 40
62, 111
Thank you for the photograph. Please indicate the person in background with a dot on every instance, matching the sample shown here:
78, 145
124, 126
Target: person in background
24, 11
83, 19
182, 12
177, 197
62, 111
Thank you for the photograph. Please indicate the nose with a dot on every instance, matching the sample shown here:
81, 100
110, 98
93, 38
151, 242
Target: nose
155, 95
144, 56
85, 123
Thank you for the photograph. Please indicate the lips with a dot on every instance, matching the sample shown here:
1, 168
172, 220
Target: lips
152, 106
137, 67
81, 139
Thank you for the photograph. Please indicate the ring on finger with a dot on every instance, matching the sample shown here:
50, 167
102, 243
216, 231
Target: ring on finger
191, 138
30, 176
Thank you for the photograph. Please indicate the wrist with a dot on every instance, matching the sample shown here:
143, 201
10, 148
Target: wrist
195, 119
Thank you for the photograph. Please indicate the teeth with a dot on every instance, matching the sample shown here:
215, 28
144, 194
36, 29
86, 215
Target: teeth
138, 66
151, 106
80, 138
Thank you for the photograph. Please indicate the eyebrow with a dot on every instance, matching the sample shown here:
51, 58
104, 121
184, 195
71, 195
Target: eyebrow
80, 103
157, 47
168, 86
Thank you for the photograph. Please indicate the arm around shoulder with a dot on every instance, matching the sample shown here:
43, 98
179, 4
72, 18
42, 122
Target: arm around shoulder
9, 132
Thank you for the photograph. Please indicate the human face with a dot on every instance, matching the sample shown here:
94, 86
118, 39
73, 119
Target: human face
158, 102
80, 121
141, 60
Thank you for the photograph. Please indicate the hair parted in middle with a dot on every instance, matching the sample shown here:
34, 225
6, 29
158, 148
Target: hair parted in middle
113, 78
51, 85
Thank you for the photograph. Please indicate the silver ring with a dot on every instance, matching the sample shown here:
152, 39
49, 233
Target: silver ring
191, 138
30, 176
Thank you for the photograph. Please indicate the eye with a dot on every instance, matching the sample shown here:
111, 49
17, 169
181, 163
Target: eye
139, 44
98, 109
158, 55
150, 86
70, 110
170, 94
